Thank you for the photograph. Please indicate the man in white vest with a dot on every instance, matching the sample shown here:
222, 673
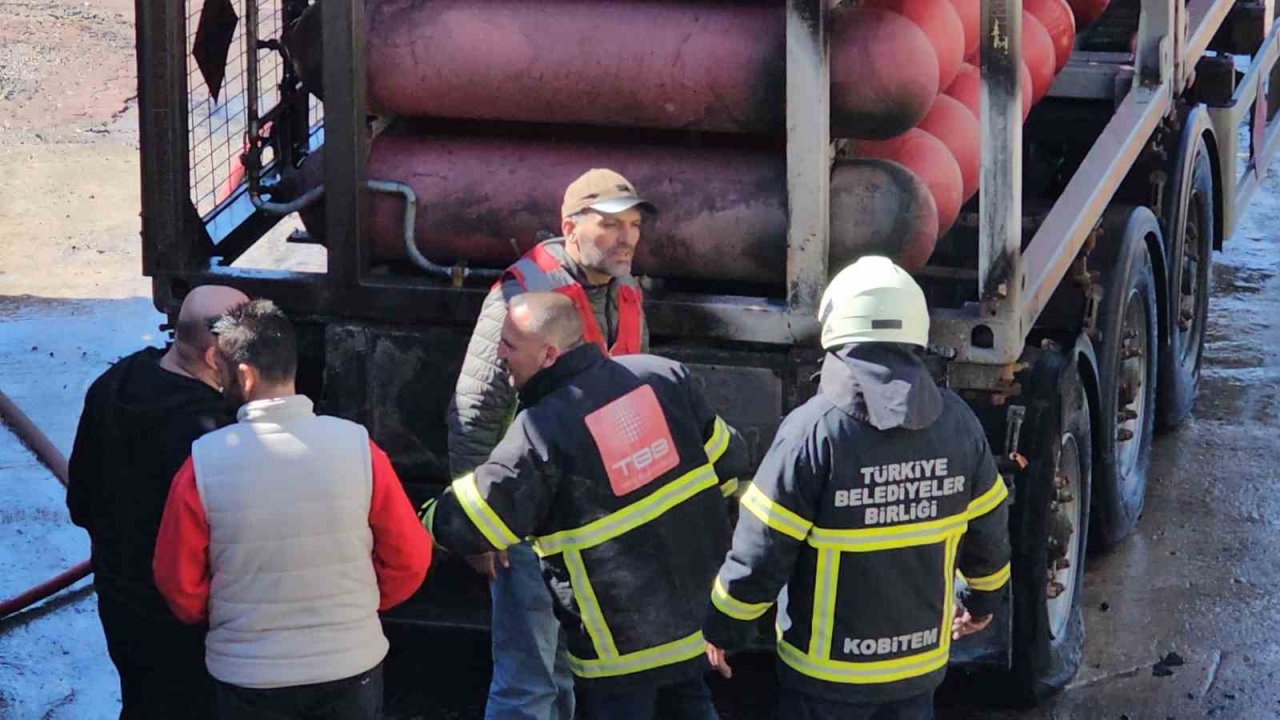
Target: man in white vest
288, 531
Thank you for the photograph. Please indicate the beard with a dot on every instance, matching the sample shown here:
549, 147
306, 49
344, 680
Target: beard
608, 263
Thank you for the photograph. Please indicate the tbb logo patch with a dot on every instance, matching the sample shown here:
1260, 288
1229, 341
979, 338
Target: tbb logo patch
634, 441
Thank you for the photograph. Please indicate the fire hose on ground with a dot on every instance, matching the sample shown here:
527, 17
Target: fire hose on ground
52, 458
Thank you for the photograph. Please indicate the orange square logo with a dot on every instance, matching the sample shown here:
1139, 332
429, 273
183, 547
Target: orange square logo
634, 441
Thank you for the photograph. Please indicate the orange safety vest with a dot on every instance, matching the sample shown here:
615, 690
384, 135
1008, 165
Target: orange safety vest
540, 271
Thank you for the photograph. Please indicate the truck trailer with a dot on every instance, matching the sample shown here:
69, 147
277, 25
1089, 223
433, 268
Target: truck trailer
423, 144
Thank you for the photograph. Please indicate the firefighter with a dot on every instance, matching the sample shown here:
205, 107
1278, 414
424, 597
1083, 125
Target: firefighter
601, 220
872, 495
615, 468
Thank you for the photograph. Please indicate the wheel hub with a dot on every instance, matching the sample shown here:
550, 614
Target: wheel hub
1131, 381
1064, 547
1191, 290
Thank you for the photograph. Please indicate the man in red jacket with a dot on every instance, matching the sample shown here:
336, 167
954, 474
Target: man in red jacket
288, 531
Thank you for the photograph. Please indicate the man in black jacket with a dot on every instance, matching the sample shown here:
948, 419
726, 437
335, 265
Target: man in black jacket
617, 469
873, 494
140, 418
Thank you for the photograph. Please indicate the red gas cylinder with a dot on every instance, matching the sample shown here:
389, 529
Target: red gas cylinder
957, 127
1086, 11
970, 12
723, 216
879, 207
667, 64
700, 66
931, 161
968, 88
1038, 54
884, 74
941, 23
1057, 18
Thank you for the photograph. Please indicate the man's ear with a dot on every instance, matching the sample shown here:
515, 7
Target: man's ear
248, 379
211, 357
567, 226
550, 354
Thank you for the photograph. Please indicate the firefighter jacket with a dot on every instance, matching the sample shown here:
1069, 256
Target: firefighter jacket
483, 401
617, 470
874, 492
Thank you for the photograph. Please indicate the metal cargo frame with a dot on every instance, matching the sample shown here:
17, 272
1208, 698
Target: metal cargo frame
765, 342
986, 335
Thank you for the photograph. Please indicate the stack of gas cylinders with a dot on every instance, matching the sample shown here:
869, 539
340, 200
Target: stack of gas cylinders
501, 103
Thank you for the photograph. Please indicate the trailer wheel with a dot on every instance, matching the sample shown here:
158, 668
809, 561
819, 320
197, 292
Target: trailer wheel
1190, 253
1127, 370
1049, 531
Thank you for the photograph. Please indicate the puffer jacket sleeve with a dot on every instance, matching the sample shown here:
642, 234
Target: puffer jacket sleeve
483, 400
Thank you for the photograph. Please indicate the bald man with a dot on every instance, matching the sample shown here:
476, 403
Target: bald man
617, 468
140, 418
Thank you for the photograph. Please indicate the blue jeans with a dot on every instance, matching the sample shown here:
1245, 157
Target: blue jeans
682, 700
531, 675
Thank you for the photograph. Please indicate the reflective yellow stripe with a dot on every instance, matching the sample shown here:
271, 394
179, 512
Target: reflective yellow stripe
648, 659
774, 515
629, 518
949, 600
719, 441
427, 514
824, 603
589, 606
992, 582
830, 543
909, 535
864, 673
888, 538
989, 500
733, 607
729, 487
483, 516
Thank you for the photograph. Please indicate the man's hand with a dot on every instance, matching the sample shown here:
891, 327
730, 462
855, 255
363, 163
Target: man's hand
487, 563
716, 657
965, 624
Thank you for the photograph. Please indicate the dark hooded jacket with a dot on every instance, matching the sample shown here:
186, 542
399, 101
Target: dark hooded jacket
616, 469
136, 430
873, 494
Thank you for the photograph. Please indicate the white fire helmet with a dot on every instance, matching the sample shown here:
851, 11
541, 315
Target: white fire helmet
873, 300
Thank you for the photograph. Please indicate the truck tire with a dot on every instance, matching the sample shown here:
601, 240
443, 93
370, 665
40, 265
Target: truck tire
1049, 530
1191, 231
1127, 371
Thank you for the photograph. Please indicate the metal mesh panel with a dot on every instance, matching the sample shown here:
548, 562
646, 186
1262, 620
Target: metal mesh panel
216, 129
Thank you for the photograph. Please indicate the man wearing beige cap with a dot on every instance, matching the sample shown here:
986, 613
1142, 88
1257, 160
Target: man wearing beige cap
591, 265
